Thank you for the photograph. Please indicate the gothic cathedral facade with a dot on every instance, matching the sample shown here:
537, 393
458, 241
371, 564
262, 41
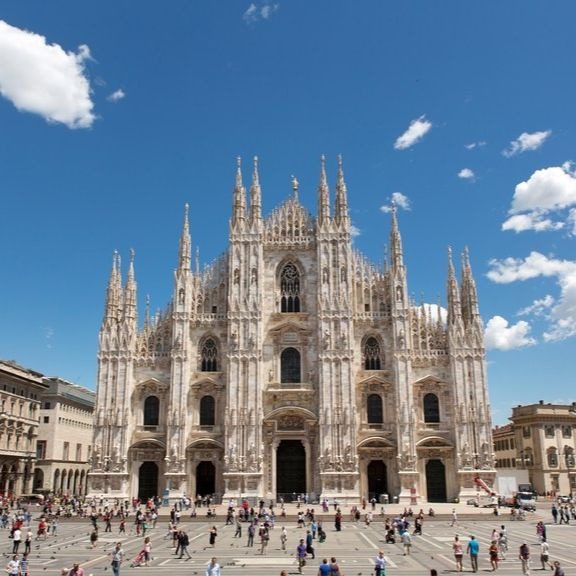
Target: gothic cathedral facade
292, 365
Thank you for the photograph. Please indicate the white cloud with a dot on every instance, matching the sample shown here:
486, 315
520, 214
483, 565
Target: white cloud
415, 132
500, 336
44, 79
255, 13
538, 307
525, 142
398, 199
562, 314
547, 190
466, 174
354, 231
116, 96
473, 145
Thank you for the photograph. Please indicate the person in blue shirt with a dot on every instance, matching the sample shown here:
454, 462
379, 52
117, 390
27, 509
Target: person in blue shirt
324, 569
473, 549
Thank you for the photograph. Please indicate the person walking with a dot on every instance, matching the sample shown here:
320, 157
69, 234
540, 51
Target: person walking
148, 550
458, 550
212, 538
264, 539
334, 567
493, 555
238, 533
24, 565
184, 542
309, 547
251, 532
406, 541
473, 550
503, 542
28, 541
324, 569
524, 557
283, 538
13, 567
554, 511
117, 558
301, 555
558, 570
16, 539
454, 518
380, 564
213, 568
544, 554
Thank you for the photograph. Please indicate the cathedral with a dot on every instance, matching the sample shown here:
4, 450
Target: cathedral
292, 365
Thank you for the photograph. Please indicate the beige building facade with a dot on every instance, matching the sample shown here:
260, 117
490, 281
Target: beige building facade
543, 439
20, 393
292, 365
64, 447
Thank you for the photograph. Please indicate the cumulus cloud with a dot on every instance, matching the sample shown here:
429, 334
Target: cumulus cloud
499, 335
548, 191
561, 316
44, 79
398, 199
255, 13
415, 132
466, 174
116, 95
525, 142
354, 231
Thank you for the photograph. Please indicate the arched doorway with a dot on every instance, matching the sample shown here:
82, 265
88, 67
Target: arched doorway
436, 481
377, 479
205, 478
147, 480
290, 469
38, 483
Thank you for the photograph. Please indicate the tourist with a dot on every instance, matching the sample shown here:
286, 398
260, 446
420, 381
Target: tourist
406, 541
212, 538
524, 557
13, 567
76, 570
493, 555
380, 564
324, 569
117, 558
283, 538
544, 554
458, 552
334, 567
558, 570
473, 550
301, 555
213, 568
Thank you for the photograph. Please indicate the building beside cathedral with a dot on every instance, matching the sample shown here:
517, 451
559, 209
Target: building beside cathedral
292, 365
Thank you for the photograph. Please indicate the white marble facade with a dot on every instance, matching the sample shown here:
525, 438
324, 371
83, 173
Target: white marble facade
292, 365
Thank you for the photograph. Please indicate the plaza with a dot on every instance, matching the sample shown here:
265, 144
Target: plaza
354, 547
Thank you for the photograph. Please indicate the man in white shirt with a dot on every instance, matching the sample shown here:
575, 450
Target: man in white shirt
16, 539
213, 568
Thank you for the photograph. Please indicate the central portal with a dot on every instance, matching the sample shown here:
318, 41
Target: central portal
290, 470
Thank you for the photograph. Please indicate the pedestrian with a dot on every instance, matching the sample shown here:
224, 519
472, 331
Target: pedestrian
554, 513
13, 567
301, 555
406, 541
338, 520
16, 539
544, 553
454, 517
309, 547
324, 569
558, 570
213, 534
28, 541
184, 542
334, 567
238, 533
493, 555
76, 570
473, 550
524, 557
458, 550
251, 532
264, 539
117, 558
94, 537
148, 550
213, 569
503, 542
380, 564
283, 538
24, 566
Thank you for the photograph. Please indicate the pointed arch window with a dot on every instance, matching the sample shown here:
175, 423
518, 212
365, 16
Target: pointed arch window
209, 356
151, 411
207, 411
290, 289
372, 356
374, 409
290, 366
431, 409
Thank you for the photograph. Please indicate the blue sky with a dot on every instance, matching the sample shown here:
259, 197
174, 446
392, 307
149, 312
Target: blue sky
115, 114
